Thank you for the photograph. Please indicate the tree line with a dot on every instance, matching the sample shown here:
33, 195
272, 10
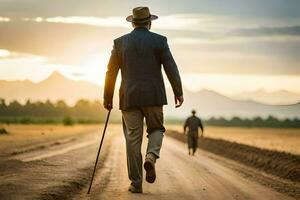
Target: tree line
85, 111
255, 122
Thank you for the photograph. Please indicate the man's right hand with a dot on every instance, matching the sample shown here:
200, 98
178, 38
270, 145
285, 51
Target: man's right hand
107, 106
178, 101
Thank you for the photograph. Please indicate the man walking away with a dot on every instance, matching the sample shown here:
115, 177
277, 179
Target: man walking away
139, 55
193, 123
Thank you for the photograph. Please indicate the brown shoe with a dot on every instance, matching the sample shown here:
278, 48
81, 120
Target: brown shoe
149, 166
135, 189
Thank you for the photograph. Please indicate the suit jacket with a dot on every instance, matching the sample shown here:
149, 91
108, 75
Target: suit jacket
193, 123
139, 55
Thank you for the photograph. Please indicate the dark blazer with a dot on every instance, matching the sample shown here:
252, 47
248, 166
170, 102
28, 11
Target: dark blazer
193, 123
139, 55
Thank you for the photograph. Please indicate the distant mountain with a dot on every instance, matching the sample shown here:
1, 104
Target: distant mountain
54, 88
207, 103
279, 97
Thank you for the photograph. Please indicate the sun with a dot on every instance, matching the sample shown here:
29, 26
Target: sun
4, 53
95, 67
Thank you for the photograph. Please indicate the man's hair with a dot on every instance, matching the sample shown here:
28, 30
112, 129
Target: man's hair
144, 24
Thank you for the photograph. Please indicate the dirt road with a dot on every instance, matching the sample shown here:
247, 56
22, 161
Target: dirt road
62, 171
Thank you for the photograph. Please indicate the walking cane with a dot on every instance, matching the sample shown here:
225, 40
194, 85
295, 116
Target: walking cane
99, 152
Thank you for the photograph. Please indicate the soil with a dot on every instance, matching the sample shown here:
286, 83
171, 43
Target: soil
279, 164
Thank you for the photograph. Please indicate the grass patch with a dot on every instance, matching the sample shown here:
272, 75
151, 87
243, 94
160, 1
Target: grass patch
3, 131
68, 121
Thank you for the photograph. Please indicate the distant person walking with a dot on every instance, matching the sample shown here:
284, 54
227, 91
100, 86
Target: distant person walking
193, 123
139, 55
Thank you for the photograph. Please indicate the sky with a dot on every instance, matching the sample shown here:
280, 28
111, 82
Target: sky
228, 46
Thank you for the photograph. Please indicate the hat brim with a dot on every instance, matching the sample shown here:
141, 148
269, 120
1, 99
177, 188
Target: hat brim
131, 19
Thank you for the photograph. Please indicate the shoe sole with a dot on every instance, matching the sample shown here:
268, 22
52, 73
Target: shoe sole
150, 172
135, 191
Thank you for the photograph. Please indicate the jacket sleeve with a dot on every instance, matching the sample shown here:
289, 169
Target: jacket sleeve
171, 69
111, 76
185, 125
201, 125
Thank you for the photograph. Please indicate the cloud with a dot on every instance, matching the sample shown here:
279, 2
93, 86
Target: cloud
19, 65
170, 22
209, 26
62, 43
7, 56
198, 51
234, 40
4, 19
266, 31
93, 21
254, 8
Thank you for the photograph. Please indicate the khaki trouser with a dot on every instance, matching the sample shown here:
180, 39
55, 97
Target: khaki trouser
133, 121
192, 138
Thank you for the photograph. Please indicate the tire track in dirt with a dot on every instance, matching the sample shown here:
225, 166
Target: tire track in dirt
179, 177
56, 172
111, 176
73, 187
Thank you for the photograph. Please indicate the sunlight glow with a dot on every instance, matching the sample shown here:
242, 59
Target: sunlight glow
38, 19
4, 19
4, 53
94, 68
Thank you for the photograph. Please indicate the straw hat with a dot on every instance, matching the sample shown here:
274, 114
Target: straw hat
141, 15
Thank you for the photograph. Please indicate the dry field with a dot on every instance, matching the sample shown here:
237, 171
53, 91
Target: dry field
62, 170
287, 140
23, 135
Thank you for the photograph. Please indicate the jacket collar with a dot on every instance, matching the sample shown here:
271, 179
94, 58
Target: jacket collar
140, 29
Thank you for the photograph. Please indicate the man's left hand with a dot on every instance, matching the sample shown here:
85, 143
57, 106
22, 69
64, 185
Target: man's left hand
107, 106
178, 101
